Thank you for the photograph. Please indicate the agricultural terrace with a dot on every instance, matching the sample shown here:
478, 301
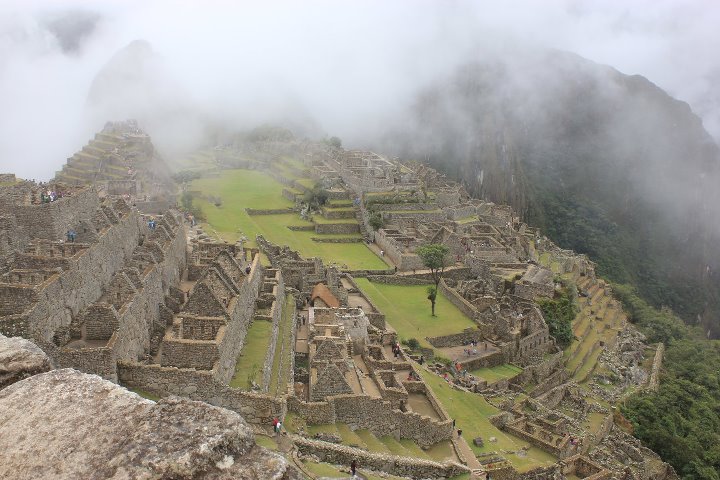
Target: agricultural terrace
471, 412
407, 310
240, 189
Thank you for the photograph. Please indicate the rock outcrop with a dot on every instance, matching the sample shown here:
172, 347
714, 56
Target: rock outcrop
93, 429
19, 359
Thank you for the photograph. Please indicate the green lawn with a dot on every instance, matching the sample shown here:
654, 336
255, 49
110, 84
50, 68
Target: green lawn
327, 470
407, 309
471, 412
240, 189
493, 374
280, 375
253, 354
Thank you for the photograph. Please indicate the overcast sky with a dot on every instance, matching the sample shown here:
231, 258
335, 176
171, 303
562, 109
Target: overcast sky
346, 65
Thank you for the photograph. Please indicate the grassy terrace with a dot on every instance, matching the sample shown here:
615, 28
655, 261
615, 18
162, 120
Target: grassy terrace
280, 375
330, 471
407, 309
322, 220
366, 440
253, 354
471, 412
240, 189
493, 374
471, 218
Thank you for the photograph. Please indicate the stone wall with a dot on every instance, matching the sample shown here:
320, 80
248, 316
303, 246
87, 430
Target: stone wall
100, 361
337, 228
398, 280
463, 338
239, 321
187, 353
83, 280
401, 466
376, 415
654, 380
138, 317
276, 313
52, 220
257, 409
456, 299
376, 317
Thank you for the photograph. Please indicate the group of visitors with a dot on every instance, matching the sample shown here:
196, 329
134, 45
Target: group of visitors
473, 348
152, 223
50, 196
396, 349
71, 235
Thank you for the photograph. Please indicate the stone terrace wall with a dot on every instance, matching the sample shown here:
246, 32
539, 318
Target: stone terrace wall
257, 409
398, 280
456, 299
51, 220
401, 466
337, 228
654, 380
463, 338
138, 317
376, 415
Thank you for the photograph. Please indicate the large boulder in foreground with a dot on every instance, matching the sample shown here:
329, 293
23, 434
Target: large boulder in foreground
20, 358
65, 424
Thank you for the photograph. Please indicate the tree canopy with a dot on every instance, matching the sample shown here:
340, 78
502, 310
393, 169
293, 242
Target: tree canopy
434, 256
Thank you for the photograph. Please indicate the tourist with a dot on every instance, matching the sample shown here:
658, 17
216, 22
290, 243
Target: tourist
247, 270
275, 422
71, 235
353, 467
459, 432
422, 360
453, 423
382, 253
278, 428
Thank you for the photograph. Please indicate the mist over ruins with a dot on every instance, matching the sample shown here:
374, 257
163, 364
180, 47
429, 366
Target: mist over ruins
507, 271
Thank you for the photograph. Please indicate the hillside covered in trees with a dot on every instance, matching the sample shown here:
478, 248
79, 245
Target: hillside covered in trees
604, 163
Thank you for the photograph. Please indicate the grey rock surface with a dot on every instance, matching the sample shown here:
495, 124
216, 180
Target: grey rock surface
20, 358
69, 425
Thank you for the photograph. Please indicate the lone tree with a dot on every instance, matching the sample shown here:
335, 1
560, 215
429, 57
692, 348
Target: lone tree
434, 257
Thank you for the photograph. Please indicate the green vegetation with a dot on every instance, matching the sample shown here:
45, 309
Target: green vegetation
252, 357
185, 176
434, 257
559, 313
280, 375
376, 221
240, 189
501, 372
681, 421
471, 412
144, 394
405, 309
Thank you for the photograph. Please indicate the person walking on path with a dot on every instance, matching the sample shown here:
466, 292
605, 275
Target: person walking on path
353, 468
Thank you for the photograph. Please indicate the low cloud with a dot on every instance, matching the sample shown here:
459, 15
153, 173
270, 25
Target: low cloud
349, 69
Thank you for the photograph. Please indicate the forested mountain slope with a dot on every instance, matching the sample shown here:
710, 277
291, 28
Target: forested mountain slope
605, 163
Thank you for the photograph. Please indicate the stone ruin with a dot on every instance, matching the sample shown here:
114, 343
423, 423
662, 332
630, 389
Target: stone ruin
139, 305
